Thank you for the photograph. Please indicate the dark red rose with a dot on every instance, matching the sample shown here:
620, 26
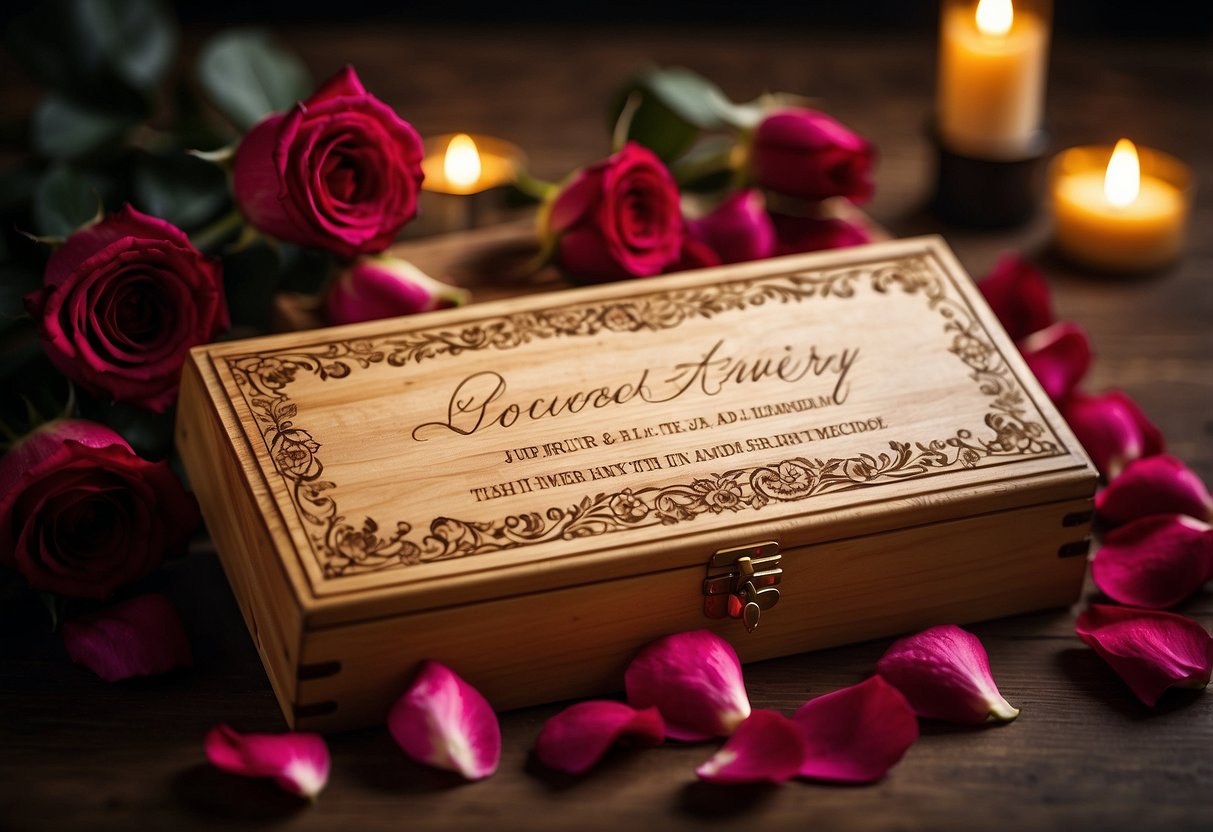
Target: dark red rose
82, 515
796, 234
738, 229
807, 154
1019, 295
618, 218
123, 301
339, 172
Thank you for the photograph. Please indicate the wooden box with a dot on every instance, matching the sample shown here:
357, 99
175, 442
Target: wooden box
832, 447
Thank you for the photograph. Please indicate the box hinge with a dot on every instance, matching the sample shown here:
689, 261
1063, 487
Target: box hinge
741, 582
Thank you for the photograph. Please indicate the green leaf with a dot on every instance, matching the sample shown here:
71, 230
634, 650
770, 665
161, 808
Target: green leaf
136, 37
179, 188
248, 76
66, 129
65, 200
673, 107
690, 96
110, 52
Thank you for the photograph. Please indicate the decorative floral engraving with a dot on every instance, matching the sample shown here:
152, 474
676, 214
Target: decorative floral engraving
344, 548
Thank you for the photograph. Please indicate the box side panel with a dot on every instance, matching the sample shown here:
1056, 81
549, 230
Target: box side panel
576, 642
239, 531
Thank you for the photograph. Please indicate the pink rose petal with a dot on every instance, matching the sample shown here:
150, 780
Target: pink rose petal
694, 680
138, 637
1112, 429
1154, 562
1059, 356
298, 762
945, 674
1151, 651
765, 748
1019, 296
575, 739
444, 722
855, 735
1154, 485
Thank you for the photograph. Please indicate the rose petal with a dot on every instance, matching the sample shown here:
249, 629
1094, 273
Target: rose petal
945, 674
1019, 296
1154, 485
298, 762
694, 680
138, 637
738, 229
1154, 562
578, 737
855, 735
444, 722
767, 747
1112, 429
385, 287
1059, 356
1151, 651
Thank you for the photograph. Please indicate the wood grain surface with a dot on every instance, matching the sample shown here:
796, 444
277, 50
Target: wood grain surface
76, 752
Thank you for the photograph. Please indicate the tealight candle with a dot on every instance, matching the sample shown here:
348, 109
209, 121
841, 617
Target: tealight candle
1118, 210
465, 175
992, 60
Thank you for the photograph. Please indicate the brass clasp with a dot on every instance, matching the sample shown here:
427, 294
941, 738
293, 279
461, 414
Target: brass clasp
741, 582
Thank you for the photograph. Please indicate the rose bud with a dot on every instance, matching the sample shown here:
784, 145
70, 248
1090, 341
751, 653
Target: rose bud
1154, 485
340, 172
81, 514
122, 302
796, 234
1112, 429
616, 219
1019, 296
385, 287
807, 154
1059, 356
738, 229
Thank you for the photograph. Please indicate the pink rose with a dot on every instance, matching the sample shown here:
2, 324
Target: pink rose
738, 229
385, 287
618, 218
123, 301
339, 172
807, 154
796, 234
81, 515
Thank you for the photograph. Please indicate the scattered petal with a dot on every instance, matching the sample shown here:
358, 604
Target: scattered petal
575, 739
694, 680
855, 735
1113, 430
298, 762
1152, 651
1059, 356
767, 747
444, 722
1154, 485
945, 674
1154, 562
142, 636
1019, 296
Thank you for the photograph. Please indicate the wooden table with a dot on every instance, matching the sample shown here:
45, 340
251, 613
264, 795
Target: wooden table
76, 752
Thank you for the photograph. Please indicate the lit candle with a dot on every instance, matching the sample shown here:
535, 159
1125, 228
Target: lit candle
465, 164
1117, 211
992, 61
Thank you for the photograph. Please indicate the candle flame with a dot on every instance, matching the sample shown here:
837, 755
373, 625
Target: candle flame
1123, 179
462, 162
994, 17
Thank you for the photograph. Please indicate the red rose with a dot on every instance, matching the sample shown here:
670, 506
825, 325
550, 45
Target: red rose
81, 515
618, 218
385, 287
796, 234
807, 154
123, 301
339, 172
738, 229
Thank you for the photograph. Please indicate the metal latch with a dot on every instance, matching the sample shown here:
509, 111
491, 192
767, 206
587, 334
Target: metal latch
741, 582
